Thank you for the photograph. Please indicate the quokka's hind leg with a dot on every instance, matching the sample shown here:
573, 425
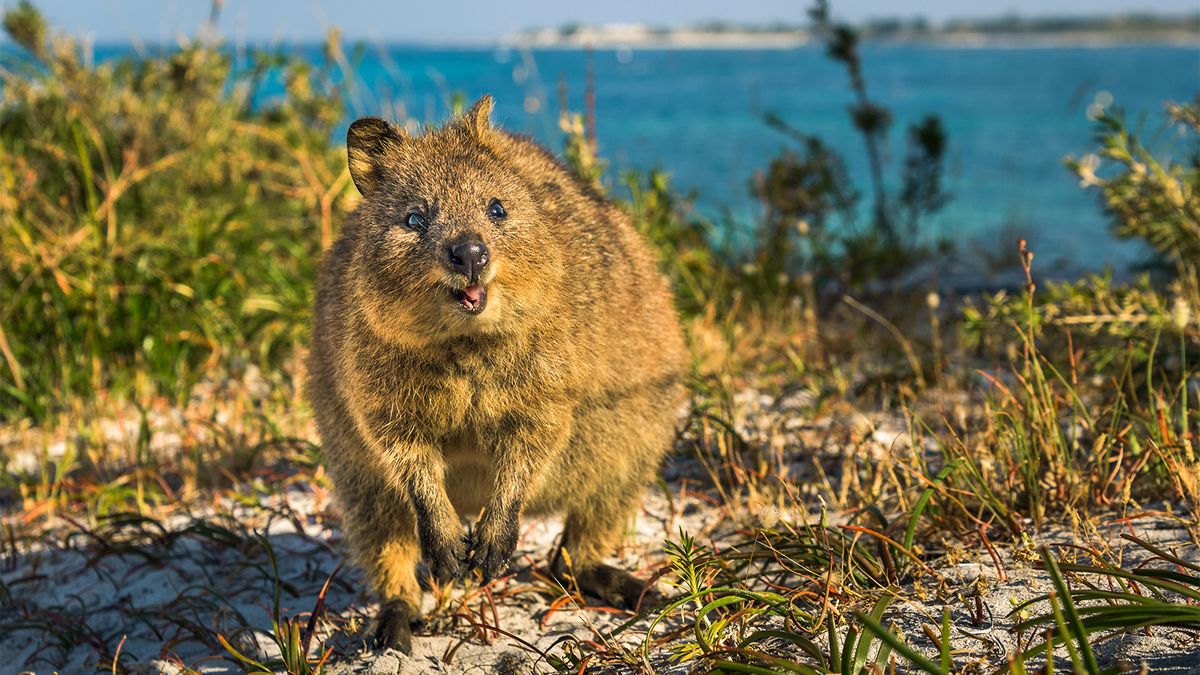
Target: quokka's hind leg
593, 530
616, 452
382, 534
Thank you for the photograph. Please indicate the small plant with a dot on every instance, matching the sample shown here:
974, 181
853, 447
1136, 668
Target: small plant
1104, 600
1109, 599
1150, 199
804, 191
292, 641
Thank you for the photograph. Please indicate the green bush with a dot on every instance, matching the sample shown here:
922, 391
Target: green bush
156, 224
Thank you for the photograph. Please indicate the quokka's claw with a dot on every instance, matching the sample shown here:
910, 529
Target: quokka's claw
492, 548
445, 562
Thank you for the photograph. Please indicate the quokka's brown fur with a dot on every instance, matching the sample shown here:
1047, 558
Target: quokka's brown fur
560, 396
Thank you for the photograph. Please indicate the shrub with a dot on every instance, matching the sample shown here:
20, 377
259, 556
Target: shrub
158, 222
804, 191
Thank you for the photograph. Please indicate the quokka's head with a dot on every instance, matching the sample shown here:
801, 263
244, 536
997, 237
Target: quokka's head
451, 240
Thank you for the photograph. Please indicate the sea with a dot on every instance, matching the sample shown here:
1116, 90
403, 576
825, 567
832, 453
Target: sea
1012, 115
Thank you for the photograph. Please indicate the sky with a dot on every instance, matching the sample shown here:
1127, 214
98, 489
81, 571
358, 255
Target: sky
460, 20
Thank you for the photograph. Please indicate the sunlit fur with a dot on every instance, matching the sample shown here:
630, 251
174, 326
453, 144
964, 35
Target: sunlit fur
560, 397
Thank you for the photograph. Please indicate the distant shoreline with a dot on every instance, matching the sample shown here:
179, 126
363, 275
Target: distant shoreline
1008, 31
752, 41
685, 41
1080, 40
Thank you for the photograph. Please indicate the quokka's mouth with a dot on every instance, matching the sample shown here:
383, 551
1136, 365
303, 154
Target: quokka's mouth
472, 298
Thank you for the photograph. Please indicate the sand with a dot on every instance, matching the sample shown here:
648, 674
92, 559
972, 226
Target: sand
162, 592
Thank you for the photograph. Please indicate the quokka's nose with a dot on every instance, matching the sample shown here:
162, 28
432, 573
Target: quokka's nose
469, 257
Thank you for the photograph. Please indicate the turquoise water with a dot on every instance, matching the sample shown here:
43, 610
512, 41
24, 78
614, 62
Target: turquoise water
1012, 115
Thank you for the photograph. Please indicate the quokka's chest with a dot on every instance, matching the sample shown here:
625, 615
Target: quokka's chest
444, 399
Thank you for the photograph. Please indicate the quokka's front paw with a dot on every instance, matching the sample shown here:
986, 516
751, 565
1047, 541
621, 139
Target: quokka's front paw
443, 556
444, 560
493, 542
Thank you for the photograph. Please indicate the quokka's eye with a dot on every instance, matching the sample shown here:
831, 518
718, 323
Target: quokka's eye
414, 221
496, 210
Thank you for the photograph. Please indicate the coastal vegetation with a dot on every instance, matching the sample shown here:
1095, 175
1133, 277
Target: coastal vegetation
855, 431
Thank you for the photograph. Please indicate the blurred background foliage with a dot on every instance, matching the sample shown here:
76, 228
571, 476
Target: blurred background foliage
161, 224
157, 226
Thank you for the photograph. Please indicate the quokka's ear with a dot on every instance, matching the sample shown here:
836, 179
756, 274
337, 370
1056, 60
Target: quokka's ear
478, 119
368, 142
